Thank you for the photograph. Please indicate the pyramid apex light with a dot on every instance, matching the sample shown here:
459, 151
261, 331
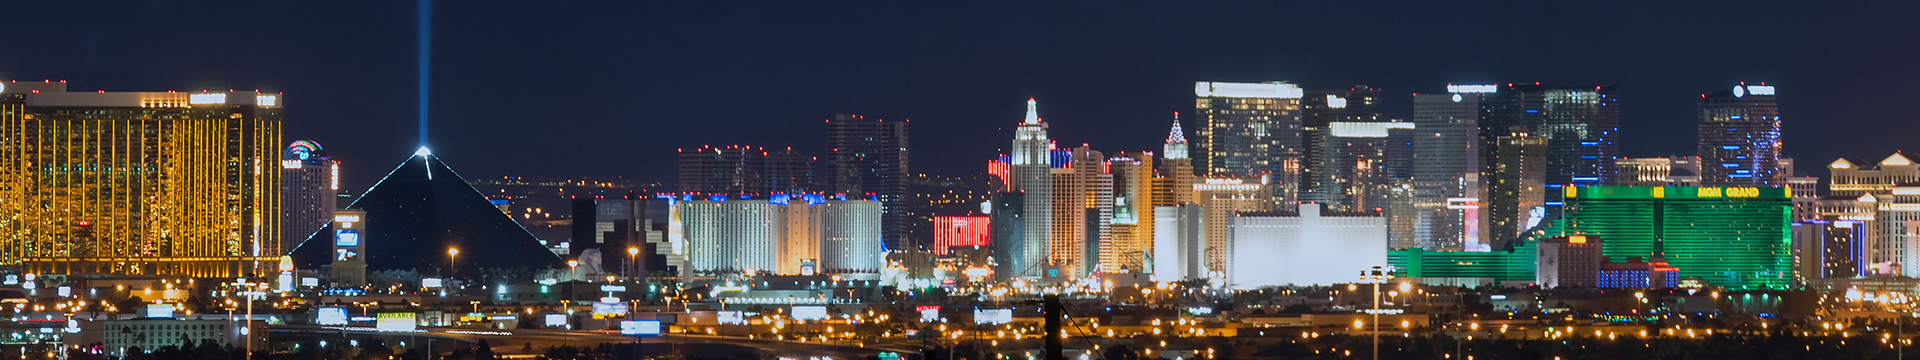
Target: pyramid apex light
423, 152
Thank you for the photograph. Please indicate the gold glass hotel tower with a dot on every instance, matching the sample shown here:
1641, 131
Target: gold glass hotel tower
139, 183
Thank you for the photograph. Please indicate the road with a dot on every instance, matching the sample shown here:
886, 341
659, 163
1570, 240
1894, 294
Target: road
516, 341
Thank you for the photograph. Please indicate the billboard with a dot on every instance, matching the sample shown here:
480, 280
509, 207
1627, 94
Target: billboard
992, 316
396, 322
640, 327
160, 311
730, 318
556, 320
810, 313
958, 231
929, 313
603, 310
331, 316
346, 238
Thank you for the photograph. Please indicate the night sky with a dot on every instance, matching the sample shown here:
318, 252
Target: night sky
536, 89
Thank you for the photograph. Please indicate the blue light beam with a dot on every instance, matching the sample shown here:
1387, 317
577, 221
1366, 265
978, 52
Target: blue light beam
426, 55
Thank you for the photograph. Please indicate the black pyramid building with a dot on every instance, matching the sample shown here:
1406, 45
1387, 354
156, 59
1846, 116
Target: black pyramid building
420, 210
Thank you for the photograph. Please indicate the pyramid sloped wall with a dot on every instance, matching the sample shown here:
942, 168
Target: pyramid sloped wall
414, 216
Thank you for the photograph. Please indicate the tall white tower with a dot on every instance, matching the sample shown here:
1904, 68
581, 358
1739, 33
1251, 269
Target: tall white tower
1032, 164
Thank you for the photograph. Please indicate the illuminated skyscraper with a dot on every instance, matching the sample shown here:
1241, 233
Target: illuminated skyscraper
1032, 177
1353, 160
1740, 137
1319, 109
147, 183
1132, 215
1736, 237
870, 157
1517, 199
1175, 185
1580, 125
1446, 170
309, 184
1221, 198
1253, 130
849, 239
1082, 211
1894, 204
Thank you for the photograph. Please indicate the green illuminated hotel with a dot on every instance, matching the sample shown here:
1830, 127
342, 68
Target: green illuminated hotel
1735, 237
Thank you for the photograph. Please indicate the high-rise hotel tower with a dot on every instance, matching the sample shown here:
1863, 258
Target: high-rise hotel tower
309, 184
1253, 130
1032, 164
147, 183
1740, 137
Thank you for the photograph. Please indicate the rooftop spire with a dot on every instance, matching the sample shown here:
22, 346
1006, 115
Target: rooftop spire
1176, 136
1033, 116
1176, 147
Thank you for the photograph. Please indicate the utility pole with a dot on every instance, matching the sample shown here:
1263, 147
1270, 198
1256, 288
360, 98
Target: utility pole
1051, 306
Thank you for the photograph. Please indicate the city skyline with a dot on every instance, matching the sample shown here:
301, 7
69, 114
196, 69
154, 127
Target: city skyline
952, 81
845, 181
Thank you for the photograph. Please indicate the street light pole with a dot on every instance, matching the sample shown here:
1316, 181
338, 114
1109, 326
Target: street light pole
633, 255
1375, 276
451, 271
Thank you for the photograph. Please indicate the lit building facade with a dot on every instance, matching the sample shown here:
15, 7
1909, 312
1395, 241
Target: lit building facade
870, 157
1032, 168
1304, 249
1850, 178
931, 196
1179, 242
1131, 242
1740, 137
1892, 245
1253, 130
961, 231
1221, 198
1009, 228
1353, 163
1736, 237
1516, 198
1447, 181
1834, 248
778, 235
1082, 211
1644, 171
850, 238
1580, 125
1569, 261
1175, 185
309, 184
1686, 171
732, 236
1637, 274
1318, 110
140, 183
